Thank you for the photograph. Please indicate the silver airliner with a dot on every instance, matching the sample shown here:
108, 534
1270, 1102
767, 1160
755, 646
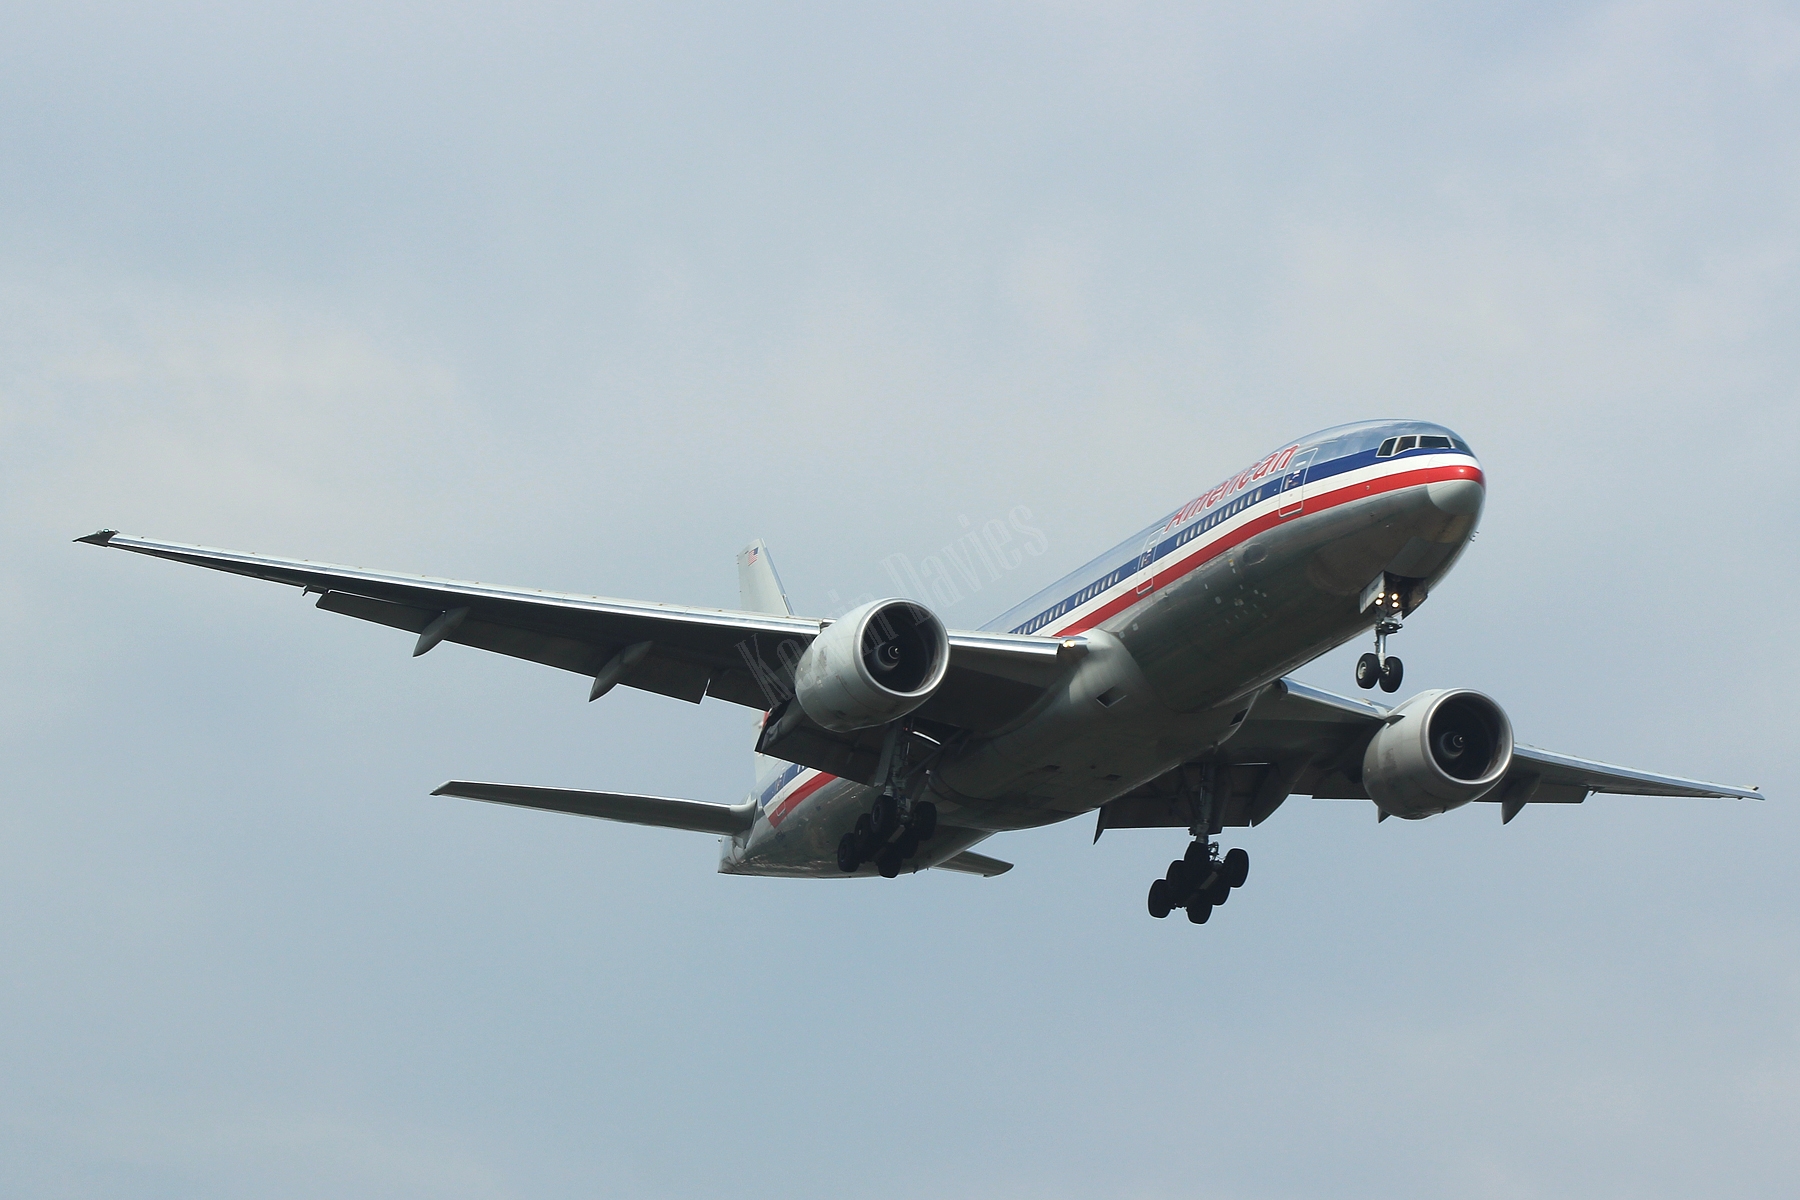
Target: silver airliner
1149, 687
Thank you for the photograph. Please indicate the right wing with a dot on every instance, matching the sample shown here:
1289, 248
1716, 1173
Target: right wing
676, 650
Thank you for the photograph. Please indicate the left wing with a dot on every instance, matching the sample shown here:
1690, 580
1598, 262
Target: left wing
676, 650
1300, 740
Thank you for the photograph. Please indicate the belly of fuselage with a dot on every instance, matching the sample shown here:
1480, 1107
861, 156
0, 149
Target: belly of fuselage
802, 841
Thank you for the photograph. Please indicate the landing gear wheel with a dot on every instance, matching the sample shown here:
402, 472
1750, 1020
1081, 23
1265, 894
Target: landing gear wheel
1198, 911
1368, 671
864, 833
1218, 893
1177, 878
888, 862
1391, 673
924, 819
885, 815
908, 845
848, 860
1159, 899
1237, 866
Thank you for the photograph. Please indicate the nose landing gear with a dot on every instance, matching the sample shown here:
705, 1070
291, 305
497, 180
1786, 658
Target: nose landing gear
1379, 668
1199, 881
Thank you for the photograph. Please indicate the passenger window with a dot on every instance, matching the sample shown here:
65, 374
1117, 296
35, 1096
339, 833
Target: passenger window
1406, 443
1434, 443
1387, 448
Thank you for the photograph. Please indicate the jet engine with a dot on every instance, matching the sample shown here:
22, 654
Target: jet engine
873, 665
1438, 751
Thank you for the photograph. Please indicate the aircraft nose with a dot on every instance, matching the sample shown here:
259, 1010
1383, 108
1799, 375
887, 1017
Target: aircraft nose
1458, 497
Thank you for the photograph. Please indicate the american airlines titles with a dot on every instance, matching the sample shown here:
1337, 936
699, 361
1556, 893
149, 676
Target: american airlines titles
1277, 461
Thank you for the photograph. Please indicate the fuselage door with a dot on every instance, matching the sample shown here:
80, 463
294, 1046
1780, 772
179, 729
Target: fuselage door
1146, 561
1293, 484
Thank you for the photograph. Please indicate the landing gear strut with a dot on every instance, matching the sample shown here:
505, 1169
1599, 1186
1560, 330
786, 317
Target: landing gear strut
890, 832
1199, 881
1379, 668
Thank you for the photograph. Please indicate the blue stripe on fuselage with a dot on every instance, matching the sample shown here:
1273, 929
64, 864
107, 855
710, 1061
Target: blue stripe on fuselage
780, 781
1103, 582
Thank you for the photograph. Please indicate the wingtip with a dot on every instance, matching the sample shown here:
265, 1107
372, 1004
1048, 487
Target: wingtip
99, 537
443, 789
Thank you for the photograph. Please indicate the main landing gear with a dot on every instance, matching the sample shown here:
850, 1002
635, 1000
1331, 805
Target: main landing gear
888, 835
1375, 668
890, 832
1199, 881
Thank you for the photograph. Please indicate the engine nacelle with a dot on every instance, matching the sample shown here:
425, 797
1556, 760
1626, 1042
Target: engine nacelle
1438, 751
873, 665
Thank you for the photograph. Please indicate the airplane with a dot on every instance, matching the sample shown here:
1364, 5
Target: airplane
1150, 687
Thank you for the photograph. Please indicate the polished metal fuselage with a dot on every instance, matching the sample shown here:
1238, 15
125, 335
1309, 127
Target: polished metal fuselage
1184, 625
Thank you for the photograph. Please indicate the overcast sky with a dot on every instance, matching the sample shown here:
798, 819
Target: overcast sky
588, 299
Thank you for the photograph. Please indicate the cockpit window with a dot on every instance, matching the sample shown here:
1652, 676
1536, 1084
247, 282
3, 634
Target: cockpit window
1430, 441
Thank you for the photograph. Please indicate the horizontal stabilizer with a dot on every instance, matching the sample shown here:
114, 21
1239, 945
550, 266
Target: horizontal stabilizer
974, 864
695, 815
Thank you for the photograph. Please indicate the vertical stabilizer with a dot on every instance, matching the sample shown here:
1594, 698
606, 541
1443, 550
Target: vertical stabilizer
759, 588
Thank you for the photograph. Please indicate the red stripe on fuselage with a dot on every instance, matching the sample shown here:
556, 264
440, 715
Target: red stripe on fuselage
779, 813
1237, 537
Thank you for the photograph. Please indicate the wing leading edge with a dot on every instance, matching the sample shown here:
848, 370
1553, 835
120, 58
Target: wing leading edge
1556, 773
676, 650
1300, 740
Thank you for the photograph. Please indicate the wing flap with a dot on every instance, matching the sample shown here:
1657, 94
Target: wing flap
695, 815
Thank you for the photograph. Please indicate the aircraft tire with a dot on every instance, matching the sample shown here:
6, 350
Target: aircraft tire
1392, 672
1237, 866
1368, 671
1177, 877
848, 861
1159, 899
1199, 910
908, 845
924, 820
885, 816
888, 862
1218, 893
